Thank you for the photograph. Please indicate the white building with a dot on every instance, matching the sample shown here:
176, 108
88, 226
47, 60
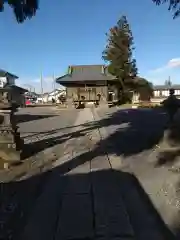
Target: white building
47, 97
162, 91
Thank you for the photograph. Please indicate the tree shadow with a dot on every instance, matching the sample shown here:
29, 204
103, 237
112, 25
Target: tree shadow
33, 208
21, 118
144, 130
167, 157
35, 202
136, 131
170, 156
33, 148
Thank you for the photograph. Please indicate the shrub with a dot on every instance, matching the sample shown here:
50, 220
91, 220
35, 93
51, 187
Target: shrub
148, 105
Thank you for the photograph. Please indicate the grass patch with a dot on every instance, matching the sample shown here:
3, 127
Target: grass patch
148, 105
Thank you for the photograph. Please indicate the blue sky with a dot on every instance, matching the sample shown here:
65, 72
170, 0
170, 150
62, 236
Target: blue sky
73, 32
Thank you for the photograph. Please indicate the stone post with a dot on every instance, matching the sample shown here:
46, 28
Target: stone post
10, 141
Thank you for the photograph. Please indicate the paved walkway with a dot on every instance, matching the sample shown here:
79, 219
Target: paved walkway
85, 198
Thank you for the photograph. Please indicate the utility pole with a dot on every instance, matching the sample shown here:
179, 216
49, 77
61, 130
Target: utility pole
54, 86
54, 82
41, 79
169, 81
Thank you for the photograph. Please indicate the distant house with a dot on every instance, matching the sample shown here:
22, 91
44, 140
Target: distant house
42, 98
161, 91
48, 96
7, 80
56, 94
89, 83
17, 94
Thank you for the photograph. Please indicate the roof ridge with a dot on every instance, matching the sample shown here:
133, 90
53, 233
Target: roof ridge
87, 65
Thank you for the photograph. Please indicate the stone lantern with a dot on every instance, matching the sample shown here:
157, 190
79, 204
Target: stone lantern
10, 141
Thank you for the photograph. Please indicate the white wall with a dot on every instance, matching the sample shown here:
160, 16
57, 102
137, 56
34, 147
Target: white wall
165, 93
5, 80
177, 92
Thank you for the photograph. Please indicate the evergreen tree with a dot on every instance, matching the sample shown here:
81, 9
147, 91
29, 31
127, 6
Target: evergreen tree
174, 5
144, 88
22, 8
118, 54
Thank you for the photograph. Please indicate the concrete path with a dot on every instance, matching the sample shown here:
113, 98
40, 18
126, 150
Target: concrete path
86, 197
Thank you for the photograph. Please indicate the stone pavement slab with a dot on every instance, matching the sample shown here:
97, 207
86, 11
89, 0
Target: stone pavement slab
111, 218
43, 219
76, 217
76, 185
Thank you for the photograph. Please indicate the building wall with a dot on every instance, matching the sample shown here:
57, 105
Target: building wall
113, 90
158, 96
11, 81
165, 93
6, 80
17, 97
90, 93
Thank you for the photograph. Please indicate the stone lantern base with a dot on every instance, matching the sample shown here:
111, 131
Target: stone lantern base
10, 141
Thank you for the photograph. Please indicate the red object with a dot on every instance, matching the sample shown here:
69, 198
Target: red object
28, 102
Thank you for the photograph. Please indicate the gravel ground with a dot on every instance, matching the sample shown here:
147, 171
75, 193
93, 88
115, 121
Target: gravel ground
139, 138
50, 197
45, 132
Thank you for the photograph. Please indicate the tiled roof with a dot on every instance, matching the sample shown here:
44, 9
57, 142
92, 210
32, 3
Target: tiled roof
5, 73
16, 87
164, 87
85, 73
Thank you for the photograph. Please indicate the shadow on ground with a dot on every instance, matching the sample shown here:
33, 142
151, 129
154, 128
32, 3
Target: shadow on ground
21, 118
31, 209
144, 130
171, 155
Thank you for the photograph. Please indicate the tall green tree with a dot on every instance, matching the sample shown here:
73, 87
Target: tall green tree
119, 54
173, 5
22, 9
144, 88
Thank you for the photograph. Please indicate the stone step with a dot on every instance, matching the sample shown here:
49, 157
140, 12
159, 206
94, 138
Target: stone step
111, 218
75, 217
42, 222
16, 202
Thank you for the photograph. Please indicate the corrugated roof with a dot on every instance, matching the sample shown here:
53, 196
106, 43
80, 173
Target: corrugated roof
85, 73
4, 73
